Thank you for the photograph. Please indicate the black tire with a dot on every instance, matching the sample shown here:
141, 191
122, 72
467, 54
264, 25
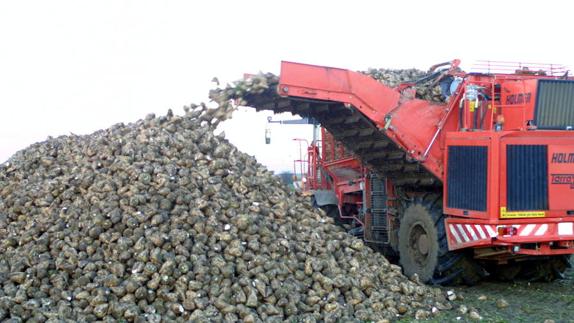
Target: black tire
423, 246
546, 269
332, 211
418, 249
507, 272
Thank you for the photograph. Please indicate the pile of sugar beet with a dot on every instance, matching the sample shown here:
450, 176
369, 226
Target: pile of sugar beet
393, 77
161, 219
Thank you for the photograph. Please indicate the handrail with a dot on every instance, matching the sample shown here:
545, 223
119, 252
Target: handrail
489, 66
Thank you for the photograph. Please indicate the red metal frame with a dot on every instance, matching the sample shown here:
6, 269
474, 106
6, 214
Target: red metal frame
377, 102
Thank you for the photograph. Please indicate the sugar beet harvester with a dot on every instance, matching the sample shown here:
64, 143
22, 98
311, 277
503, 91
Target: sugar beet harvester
481, 184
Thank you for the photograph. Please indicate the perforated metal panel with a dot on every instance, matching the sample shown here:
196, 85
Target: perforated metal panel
555, 104
467, 177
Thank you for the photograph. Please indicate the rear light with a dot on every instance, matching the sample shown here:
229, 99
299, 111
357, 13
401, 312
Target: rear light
507, 231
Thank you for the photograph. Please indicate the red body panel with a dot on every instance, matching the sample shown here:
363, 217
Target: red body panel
561, 180
334, 84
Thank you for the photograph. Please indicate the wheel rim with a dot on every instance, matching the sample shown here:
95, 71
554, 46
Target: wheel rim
419, 245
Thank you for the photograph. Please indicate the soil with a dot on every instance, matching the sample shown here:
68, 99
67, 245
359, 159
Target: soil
527, 301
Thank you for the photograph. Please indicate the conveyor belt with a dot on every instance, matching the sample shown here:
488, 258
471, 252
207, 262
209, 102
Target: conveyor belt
357, 133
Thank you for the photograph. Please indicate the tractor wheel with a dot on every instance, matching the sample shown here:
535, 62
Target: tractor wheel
506, 272
332, 211
423, 248
547, 269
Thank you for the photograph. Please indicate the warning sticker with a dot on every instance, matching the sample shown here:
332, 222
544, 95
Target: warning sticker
520, 214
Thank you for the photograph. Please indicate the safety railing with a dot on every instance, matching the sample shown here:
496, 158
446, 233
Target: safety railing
529, 68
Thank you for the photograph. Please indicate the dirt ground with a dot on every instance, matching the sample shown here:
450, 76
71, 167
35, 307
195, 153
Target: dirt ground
527, 302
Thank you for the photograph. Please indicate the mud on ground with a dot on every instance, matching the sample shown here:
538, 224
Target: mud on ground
527, 302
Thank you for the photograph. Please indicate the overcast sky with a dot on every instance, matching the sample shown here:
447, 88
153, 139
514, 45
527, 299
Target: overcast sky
78, 66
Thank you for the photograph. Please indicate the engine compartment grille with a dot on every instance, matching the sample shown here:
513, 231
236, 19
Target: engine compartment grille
467, 177
527, 177
555, 104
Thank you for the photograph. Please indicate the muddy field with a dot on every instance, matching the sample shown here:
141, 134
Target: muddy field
526, 302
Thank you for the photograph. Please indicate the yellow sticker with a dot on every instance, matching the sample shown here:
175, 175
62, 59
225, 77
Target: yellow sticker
471, 106
520, 214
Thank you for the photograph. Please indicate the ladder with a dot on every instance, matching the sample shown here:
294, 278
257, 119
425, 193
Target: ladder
379, 209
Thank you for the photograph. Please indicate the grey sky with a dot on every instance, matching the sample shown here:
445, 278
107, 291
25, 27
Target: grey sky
78, 66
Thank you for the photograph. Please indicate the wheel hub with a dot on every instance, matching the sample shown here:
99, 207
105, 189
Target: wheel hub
423, 244
419, 244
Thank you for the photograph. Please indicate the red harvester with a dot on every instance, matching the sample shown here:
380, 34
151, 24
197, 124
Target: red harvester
482, 183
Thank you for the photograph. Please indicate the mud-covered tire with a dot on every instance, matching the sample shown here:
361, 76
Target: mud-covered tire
429, 256
546, 269
505, 273
418, 245
331, 211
